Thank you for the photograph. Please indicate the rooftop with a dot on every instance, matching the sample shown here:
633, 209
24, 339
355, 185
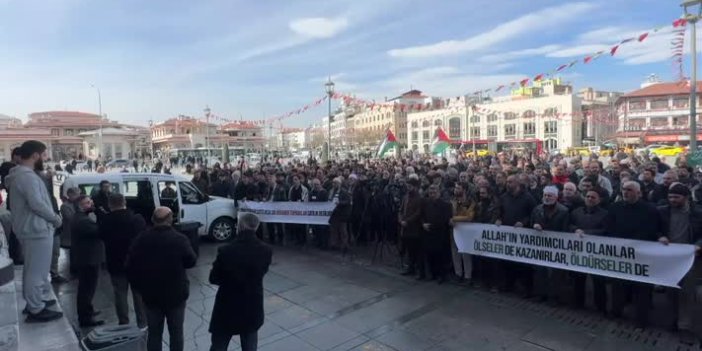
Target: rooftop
63, 114
659, 89
240, 125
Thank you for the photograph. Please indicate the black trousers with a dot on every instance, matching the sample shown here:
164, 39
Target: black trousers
220, 342
599, 285
297, 232
640, 294
275, 233
87, 284
413, 247
155, 318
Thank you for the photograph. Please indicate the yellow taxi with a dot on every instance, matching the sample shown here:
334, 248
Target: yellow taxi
480, 153
667, 151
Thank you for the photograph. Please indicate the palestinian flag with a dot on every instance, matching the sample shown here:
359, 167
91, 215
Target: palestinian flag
441, 142
388, 143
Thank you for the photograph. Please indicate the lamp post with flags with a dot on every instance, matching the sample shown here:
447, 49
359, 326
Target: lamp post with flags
329, 88
693, 11
99, 96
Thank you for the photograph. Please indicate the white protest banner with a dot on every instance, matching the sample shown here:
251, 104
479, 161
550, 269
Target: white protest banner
636, 260
290, 212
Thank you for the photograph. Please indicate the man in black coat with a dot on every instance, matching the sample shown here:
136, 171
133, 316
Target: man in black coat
118, 230
155, 267
635, 219
436, 217
238, 270
100, 199
89, 254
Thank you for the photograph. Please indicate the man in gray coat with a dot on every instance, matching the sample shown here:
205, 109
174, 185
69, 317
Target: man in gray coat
34, 222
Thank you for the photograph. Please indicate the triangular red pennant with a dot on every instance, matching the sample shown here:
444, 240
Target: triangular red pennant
524, 82
561, 67
587, 59
613, 50
643, 37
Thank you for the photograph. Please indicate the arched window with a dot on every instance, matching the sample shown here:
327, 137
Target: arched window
415, 124
415, 147
455, 128
492, 118
438, 123
550, 112
529, 114
426, 124
510, 115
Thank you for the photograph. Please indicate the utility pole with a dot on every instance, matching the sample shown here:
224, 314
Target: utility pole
693, 11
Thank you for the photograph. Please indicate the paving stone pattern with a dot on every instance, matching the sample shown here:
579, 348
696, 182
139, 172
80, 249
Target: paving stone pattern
318, 300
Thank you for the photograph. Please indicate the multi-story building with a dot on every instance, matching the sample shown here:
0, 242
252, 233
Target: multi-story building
371, 123
293, 138
547, 114
656, 113
117, 143
65, 127
243, 136
342, 128
599, 114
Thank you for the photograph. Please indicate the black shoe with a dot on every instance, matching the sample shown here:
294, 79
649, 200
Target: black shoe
57, 279
688, 337
44, 316
47, 303
91, 323
408, 272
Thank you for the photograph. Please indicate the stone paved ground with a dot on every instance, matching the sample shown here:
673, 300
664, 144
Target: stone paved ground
320, 301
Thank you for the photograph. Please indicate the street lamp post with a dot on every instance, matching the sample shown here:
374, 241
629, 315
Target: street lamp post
100, 113
329, 87
693, 11
207, 128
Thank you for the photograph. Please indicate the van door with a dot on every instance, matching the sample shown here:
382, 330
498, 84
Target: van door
140, 195
193, 205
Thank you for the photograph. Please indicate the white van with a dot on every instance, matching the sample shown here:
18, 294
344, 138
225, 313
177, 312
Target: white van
145, 191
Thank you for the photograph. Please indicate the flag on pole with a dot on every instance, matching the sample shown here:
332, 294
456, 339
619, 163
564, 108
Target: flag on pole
440, 143
388, 143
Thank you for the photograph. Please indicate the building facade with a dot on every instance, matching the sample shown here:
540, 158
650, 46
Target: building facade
547, 112
599, 114
117, 143
293, 138
656, 113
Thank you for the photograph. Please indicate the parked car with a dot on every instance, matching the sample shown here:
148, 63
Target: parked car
646, 150
145, 191
118, 163
667, 151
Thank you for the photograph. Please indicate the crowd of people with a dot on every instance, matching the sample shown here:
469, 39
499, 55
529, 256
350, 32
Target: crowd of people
410, 202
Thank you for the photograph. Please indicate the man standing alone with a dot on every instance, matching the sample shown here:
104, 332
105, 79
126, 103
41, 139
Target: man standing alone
155, 267
239, 270
117, 230
34, 222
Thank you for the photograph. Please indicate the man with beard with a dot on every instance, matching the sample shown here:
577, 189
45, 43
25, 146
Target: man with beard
659, 196
436, 220
463, 211
410, 219
33, 222
682, 224
516, 206
487, 210
89, 254
571, 198
100, 199
550, 215
636, 219
117, 230
648, 184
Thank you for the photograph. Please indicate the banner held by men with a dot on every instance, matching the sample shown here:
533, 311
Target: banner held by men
635, 260
290, 212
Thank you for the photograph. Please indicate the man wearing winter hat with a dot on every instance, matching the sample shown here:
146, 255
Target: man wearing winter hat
681, 223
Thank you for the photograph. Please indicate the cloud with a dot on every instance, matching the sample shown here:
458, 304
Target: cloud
549, 17
511, 55
319, 27
579, 50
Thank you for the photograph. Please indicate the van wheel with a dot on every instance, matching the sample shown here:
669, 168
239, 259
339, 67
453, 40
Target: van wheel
222, 229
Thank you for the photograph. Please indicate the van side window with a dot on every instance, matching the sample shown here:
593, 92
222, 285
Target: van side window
190, 194
140, 197
168, 195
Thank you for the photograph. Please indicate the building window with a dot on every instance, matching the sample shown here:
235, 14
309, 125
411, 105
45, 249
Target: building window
475, 119
455, 128
492, 118
492, 131
425, 135
475, 132
426, 123
551, 144
438, 123
415, 124
529, 129
680, 121
659, 123
681, 102
551, 127
659, 104
636, 124
55, 132
529, 114
550, 112
68, 132
637, 105
118, 151
510, 130
415, 135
